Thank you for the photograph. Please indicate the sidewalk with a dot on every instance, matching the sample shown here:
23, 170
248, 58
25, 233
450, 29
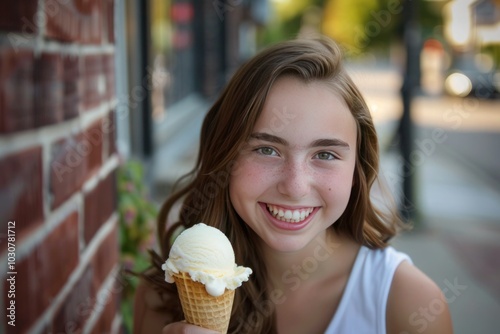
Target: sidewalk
457, 246
459, 242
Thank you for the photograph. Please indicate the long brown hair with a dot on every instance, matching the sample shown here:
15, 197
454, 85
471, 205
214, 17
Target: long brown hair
228, 124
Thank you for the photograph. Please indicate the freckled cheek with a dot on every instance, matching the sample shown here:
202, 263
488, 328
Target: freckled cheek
338, 188
251, 179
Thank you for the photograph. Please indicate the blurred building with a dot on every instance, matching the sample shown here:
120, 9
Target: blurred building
179, 53
486, 15
472, 29
472, 23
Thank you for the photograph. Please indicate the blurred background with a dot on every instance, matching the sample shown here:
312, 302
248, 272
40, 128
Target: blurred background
101, 103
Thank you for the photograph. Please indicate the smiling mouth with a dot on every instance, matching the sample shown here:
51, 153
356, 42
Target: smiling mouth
289, 216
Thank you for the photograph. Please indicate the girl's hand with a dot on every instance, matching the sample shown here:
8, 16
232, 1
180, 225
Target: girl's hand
185, 328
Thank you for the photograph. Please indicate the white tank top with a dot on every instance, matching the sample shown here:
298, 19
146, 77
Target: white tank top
362, 308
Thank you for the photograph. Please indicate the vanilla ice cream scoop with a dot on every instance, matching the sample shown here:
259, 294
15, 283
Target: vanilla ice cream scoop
206, 254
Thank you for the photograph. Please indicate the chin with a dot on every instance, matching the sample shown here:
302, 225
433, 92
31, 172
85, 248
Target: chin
287, 246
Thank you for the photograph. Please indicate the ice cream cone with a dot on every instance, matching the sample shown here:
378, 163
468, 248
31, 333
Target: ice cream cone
202, 263
201, 308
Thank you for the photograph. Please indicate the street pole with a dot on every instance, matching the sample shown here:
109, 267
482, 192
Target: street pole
410, 82
146, 104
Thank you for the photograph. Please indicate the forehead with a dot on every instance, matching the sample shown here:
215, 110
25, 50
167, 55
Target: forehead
296, 108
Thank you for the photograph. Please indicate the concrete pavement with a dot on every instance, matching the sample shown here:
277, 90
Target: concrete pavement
458, 244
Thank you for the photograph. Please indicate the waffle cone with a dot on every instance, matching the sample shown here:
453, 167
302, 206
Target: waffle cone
201, 308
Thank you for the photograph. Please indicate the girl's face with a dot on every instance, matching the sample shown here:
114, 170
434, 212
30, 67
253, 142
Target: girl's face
293, 178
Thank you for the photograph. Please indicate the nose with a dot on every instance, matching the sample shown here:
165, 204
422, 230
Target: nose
294, 180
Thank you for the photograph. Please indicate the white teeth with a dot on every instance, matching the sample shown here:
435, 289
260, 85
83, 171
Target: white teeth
291, 216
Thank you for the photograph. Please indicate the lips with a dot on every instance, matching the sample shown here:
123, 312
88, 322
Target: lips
287, 215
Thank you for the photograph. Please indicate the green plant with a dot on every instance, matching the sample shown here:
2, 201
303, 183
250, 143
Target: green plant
137, 215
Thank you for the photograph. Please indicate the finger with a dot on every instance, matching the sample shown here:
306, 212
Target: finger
185, 328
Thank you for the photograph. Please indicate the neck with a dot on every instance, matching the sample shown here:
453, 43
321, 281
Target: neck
289, 270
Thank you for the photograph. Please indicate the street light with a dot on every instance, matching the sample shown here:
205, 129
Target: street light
458, 84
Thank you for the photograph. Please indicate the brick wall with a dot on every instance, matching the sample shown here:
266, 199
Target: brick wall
57, 167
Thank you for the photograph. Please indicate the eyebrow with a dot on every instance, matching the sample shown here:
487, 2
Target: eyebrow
317, 143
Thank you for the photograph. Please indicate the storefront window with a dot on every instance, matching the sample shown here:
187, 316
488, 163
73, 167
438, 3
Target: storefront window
172, 54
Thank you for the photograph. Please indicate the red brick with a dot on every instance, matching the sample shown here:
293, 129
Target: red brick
103, 262
99, 204
109, 128
16, 90
94, 82
49, 89
110, 307
108, 61
78, 305
106, 256
75, 21
62, 21
83, 298
90, 12
77, 159
43, 273
21, 189
72, 91
18, 16
109, 19
94, 137
68, 168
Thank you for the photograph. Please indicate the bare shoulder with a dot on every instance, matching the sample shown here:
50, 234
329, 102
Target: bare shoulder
416, 304
146, 318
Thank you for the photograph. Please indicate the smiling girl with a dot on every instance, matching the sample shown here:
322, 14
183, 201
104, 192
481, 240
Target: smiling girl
288, 156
